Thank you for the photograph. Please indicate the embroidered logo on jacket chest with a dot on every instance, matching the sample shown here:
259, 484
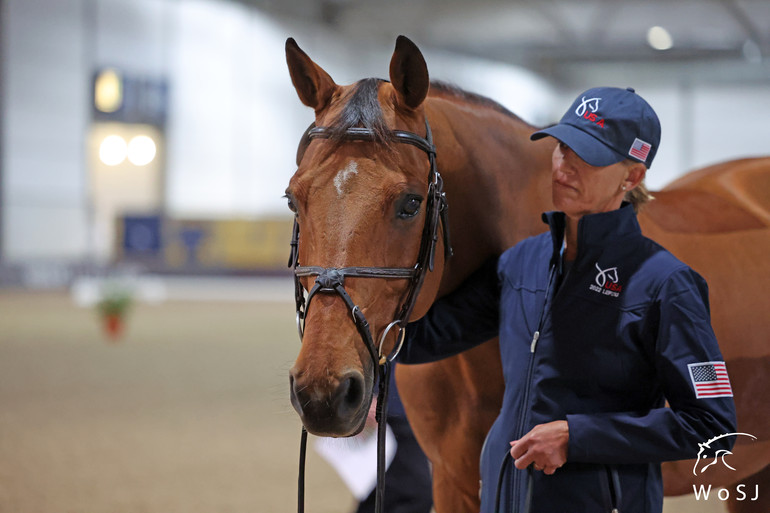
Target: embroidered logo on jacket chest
606, 282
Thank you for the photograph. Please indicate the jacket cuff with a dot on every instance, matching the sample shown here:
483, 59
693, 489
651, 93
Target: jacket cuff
577, 449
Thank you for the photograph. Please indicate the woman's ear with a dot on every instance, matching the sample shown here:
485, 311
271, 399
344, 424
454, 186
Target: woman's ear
636, 174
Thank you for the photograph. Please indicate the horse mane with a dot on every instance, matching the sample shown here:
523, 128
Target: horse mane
441, 88
362, 110
363, 107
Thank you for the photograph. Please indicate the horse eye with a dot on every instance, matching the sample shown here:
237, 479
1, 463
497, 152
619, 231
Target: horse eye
290, 202
410, 207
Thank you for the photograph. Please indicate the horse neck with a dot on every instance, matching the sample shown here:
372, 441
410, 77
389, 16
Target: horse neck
497, 181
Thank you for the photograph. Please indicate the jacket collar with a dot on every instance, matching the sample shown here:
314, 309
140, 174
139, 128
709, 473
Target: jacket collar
601, 229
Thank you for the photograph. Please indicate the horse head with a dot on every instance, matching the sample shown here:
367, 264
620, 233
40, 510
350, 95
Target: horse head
360, 199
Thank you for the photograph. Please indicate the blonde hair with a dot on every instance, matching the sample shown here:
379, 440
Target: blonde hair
639, 196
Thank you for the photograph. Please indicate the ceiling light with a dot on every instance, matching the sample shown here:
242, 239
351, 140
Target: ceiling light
108, 91
141, 150
659, 38
113, 150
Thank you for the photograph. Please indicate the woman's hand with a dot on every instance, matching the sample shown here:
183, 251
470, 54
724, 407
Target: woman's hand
545, 446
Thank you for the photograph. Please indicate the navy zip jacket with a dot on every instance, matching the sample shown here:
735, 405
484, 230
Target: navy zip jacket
624, 329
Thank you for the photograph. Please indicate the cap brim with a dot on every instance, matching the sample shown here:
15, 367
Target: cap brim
586, 146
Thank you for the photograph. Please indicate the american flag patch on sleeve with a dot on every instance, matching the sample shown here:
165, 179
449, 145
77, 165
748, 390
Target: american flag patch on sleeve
709, 379
640, 149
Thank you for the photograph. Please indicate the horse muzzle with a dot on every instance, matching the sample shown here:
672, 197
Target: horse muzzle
334, 406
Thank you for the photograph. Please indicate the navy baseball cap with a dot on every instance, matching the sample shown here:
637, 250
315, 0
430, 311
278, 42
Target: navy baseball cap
605, 125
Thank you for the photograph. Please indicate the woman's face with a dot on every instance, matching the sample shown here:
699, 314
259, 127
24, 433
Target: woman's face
580, 188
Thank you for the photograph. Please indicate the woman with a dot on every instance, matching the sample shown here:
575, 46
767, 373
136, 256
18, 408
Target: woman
598, 327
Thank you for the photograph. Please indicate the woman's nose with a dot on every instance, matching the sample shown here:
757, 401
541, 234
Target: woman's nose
564, 166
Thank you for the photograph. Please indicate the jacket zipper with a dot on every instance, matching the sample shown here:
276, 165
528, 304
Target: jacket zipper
525, 402
611, 481
615, 483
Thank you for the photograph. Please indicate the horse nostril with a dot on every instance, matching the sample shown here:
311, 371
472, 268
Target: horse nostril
350, 394
335, 407
298, 395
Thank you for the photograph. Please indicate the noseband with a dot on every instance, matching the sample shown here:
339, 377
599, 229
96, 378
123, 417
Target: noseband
331, 280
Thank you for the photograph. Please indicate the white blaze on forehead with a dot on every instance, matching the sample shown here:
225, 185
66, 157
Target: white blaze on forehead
344, 175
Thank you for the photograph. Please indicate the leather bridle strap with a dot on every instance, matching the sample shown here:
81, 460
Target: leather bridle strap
359, 272
366, 134
330, 280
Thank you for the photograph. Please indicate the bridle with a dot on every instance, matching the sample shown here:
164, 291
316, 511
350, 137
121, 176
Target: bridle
331, 280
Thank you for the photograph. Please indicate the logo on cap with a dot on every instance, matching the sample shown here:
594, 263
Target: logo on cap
593, 105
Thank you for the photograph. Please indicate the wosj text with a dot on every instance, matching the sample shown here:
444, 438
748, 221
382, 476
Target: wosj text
741, 493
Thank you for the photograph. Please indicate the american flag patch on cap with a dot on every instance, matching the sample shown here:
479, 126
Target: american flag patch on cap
710, 380
640, 149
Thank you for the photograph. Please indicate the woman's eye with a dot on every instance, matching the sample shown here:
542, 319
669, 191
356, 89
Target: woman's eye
410, 207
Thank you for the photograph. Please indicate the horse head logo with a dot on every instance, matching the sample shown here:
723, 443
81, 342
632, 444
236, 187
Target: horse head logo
717, 456
606, 274
590, 103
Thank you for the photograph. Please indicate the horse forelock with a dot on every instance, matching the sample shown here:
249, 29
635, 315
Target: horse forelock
362, 110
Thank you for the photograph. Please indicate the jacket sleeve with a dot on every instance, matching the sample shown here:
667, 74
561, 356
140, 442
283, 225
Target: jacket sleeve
460, 320
684, 337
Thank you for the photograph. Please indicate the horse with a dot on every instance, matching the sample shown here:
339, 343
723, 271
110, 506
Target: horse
361, 203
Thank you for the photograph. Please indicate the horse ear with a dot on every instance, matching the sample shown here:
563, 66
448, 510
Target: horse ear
409, 73
314, 86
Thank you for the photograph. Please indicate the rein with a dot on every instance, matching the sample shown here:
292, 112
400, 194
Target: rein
331, 280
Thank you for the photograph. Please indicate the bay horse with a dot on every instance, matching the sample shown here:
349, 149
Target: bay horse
362, 204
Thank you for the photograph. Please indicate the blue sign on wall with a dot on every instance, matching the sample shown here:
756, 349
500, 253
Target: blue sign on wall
142, 236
